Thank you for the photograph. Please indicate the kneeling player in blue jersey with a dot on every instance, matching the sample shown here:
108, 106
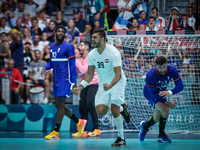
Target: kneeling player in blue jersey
62, 61
155, 92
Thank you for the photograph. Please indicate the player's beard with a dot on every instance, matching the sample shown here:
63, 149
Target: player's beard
60, 39
162, 73
97, 44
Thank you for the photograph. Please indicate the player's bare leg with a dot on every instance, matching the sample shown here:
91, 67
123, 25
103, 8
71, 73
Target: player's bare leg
64, 110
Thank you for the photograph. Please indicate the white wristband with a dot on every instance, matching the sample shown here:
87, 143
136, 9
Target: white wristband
170, 92
84, 83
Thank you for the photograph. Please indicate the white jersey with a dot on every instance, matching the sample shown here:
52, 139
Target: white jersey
104, 63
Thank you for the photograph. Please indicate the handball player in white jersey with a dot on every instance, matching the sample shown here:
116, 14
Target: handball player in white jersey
112, 81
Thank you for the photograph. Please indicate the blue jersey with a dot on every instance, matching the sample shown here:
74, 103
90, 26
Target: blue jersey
156, 83
64, 71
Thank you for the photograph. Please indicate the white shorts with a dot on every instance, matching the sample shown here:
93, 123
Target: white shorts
115, 96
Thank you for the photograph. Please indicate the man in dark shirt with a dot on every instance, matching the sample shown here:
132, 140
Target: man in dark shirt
81, 24
17, 50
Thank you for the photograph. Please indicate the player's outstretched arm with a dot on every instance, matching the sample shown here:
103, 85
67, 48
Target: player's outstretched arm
117, 77
88, 77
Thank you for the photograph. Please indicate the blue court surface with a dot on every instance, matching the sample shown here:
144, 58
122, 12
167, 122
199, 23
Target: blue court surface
35, 141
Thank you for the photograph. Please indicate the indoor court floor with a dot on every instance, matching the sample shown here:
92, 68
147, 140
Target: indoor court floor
35, 141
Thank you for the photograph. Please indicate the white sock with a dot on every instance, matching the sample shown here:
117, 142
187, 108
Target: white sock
108, 111
119, 124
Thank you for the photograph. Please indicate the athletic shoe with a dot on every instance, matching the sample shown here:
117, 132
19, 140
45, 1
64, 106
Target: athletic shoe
125, 113
163, 138
28, 101
81, 126
119, 143
46, 100
142, 132
83, 135
53, 136
94, 132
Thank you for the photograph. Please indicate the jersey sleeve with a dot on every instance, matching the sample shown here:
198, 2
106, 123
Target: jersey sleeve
116, 59
177, 80
70, 51
90, 62
102, 3
151, 86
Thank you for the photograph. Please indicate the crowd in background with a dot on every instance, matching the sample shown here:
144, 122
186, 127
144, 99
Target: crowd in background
27, 30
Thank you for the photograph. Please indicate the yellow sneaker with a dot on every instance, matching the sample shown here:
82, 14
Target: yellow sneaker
81, 126
83, 135
95, 132
53, 136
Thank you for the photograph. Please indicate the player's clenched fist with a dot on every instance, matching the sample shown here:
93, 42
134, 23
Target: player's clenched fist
76, 91
106, 87
171, 104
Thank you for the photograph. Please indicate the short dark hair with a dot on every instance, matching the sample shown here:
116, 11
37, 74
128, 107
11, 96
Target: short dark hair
154, 8
161, 60
87, 43
141, 12
190, 7
183, 15
60, 26
101, 33
152, 17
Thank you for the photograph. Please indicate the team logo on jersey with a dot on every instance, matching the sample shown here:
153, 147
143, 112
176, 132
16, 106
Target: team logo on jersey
58, 50
106, 60
54, 54
51, 50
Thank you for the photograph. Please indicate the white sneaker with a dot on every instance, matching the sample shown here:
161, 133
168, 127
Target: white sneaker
28, 101
46, 101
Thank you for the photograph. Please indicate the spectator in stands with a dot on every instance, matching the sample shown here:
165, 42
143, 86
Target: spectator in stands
4, 8
131, 71
26, 19
36, 46
27, 59
19, 27
184, 23
125, 9
142, 19
12, 4
142, 27
191, 19
51, 5
3, 54
72, 32
35, 77
147, 55
135, 25
187, 59
4, 37
149, 67
17, 50
50, 30
26, 36
59, 19
34, 28
175, 58
185, 71
11, 21
4, 27
41, 5
15, 86
43, 41
151, 25
95, 12
7, 45
30, 6
141, 65
141, 6
160, 22
43, 20
173, 20
20, 10
81, 24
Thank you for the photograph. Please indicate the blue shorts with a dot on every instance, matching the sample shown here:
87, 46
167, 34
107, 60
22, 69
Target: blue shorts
62, 90
152, 101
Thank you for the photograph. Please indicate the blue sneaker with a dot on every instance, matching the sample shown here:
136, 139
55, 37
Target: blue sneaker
142, 132
163, 138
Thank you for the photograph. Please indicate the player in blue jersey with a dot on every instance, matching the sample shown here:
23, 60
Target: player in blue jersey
64, 79
155, 92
